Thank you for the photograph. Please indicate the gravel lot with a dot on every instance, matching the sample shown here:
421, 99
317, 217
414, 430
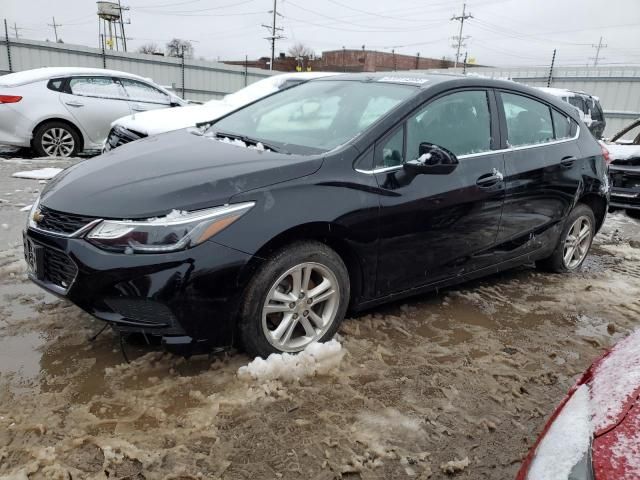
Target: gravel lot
454, 384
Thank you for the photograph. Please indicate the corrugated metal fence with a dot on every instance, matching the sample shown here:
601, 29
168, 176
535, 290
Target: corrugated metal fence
617, 87
201, 80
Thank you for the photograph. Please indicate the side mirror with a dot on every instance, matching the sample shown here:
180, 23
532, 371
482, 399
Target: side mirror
433, 160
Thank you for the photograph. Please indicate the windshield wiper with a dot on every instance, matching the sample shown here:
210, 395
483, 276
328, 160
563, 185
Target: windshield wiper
249, 141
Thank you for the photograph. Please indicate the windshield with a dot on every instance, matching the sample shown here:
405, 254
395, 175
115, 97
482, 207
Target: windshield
317, 116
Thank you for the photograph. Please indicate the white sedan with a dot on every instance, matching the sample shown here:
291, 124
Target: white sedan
60, 112
140, 125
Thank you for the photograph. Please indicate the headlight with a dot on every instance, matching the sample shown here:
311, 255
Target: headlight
565, 450
176, 231
32, 213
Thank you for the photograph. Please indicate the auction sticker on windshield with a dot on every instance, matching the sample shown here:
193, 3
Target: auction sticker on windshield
419, 81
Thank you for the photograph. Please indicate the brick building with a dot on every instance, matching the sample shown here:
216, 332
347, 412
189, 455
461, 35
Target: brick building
349, 60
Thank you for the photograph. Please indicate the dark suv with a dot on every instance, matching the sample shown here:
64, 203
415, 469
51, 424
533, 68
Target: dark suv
265, 226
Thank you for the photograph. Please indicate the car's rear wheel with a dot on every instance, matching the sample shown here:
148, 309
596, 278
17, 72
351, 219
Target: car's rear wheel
56, 139
574, 243
299, 296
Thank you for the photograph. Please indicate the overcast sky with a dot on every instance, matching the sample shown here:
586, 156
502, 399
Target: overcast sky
502, 32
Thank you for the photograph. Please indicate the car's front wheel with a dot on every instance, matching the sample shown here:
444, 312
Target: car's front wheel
56, 139
299, 296
575, 242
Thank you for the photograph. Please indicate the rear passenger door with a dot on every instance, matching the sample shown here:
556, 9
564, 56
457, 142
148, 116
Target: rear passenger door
542, 170
95, 102
143, 97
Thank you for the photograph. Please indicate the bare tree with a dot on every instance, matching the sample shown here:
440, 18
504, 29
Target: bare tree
300, 50
149, 48
177, 46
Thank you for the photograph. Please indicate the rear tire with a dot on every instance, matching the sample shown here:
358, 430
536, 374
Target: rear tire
298, 296
56, 139
574, 243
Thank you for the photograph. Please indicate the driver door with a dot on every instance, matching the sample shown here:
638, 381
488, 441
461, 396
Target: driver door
437, 226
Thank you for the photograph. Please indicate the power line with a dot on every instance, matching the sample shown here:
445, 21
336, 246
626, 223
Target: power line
598, 47
460, 38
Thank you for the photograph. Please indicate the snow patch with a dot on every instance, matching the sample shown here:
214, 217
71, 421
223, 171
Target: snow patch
40, 174
26, 208
316, 359
615, 379
567, 440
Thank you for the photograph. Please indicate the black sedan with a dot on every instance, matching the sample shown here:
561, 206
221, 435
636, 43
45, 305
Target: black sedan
263, 228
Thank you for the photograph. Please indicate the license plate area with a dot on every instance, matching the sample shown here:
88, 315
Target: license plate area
34, 255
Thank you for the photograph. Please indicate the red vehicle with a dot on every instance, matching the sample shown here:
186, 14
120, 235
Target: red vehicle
594, 434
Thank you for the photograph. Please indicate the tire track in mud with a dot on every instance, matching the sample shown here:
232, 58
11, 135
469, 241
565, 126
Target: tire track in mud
458, 381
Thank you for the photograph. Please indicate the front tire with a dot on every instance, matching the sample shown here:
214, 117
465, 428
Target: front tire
633, 213
574, 243
56, 139
299, 296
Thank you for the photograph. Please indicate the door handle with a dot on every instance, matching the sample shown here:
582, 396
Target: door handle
568, 161
75, 104
490, 179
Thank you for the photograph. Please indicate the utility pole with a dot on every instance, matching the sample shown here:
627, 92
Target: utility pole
274, 33
55, 27
553, 61
124, 37
598, 47
15, 29
464, 66
460, 38
6, 37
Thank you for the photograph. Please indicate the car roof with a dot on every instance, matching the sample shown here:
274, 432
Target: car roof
425, 80
39, 74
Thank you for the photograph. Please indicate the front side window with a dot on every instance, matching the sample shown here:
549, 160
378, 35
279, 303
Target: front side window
141, 92
102, 87
528, 121
459, 122
316, 116
390, 152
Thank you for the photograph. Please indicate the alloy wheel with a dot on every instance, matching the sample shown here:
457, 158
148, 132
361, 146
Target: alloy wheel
58, 142
577, 243
300, 307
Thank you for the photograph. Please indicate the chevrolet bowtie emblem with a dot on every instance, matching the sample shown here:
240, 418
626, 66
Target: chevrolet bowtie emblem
37, 216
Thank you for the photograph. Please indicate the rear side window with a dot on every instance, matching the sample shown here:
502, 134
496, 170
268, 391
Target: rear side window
561, 125
101, 87
141, 92
55, 84
597, 113
528, 121
459, 122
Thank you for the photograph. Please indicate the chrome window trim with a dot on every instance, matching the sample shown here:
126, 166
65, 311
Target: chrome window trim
481, 154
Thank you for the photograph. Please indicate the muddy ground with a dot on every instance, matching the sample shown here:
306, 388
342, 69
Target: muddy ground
457, 383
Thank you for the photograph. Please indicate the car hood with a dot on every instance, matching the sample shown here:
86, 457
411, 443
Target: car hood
178, 170
164, 120
624, 154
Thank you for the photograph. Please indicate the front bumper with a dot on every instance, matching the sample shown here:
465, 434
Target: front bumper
190, 296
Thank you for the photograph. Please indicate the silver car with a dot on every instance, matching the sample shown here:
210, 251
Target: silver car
64, 111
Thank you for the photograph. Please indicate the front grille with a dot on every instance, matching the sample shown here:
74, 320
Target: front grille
58, 222
58, 268
119, 136
142, 310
